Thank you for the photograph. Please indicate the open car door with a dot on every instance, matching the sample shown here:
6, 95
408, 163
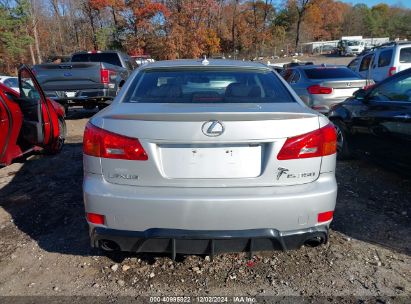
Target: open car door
5, 128
36, 119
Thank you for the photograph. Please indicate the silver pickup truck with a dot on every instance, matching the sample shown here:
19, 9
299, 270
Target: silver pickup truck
90, 79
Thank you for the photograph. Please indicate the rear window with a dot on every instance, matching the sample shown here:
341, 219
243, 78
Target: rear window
207, 86
329, 73
385, 58
405, 55
111, 58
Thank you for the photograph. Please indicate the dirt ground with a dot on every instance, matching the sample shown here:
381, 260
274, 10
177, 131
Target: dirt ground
44, 245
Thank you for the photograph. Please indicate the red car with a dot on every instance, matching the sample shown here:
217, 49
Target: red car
28, 120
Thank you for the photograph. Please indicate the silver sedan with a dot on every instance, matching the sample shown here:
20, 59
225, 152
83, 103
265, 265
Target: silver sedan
322, 86
199, 156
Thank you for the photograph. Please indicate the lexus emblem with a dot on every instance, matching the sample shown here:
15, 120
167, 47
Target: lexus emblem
213, 128
348, 84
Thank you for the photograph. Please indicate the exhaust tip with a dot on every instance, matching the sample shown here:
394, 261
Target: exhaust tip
314, 241
108, 245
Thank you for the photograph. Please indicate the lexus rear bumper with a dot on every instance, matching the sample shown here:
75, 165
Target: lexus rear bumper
212, 242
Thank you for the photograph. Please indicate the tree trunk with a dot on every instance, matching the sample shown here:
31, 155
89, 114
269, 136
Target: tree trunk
35, 31
297, 37
233, 26
56, 11
36, 41
33, 58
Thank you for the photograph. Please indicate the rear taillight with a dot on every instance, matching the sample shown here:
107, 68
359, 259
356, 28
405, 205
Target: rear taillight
325, 216
317, 89
95, 218
392, 71
105, 75
317, 143
101, 143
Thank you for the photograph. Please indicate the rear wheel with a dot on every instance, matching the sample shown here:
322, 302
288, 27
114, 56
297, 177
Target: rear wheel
343, 151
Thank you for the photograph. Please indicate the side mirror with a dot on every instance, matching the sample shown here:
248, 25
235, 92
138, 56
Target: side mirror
360, 94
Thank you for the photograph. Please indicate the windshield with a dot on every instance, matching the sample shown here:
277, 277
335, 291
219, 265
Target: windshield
330, 73
111, 58
207, 86
353, 43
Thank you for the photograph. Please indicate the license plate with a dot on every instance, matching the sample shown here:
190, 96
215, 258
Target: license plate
71, 94
211, 162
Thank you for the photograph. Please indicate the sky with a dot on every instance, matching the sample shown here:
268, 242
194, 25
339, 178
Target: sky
403, 3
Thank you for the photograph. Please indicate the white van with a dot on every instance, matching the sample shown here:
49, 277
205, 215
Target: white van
384, 61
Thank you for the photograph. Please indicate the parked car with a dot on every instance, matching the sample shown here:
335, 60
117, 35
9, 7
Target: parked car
377, 122
390, 59
322, 86
353, 47
361, 65
208, 156
11, 82
325, 49
28, 120
90, 78
276, 67
142, 59
383, 61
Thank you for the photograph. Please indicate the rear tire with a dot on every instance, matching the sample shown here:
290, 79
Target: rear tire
343, 151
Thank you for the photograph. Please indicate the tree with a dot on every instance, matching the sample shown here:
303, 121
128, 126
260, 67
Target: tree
14, 22
300, 6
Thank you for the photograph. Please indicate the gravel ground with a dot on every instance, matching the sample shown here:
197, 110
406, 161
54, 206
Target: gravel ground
44, 245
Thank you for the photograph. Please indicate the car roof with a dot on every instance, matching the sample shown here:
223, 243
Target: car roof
318, 66
6, 89
179, 63
97, 52
4, 77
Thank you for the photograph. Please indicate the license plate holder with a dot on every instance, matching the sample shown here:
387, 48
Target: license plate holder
212, 162
71, 94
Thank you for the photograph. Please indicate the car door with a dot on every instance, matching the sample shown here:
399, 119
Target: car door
384, 124
381, 65
353, 64
299, 86
36, 128
364, 66
5, 126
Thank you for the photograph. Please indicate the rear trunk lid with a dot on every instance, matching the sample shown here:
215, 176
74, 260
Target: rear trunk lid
344, 88
70, 76
181, 154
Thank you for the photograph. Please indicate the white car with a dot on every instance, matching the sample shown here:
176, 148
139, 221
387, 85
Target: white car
384, 61
11, 82
208, 156
354, 47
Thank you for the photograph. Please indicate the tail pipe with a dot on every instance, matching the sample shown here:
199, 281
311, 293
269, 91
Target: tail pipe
316, 240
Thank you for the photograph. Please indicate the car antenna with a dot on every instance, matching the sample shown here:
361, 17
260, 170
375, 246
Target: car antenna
205, 61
